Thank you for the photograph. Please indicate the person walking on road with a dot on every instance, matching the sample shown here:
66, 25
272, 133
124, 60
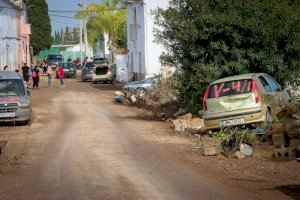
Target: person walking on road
26, 74
49, 75
61, 74
35, 77
44, 66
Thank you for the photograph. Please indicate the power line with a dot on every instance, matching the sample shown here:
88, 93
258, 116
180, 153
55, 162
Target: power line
63, 16
77, 11
58, 21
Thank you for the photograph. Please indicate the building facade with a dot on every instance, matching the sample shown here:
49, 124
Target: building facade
14, 34
143, 53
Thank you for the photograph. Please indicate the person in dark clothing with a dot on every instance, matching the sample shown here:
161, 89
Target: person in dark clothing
69, 59
35, 77
44, 66
26, 73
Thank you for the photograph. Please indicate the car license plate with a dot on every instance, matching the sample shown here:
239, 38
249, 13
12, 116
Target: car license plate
66, 70
232, 122
7, 115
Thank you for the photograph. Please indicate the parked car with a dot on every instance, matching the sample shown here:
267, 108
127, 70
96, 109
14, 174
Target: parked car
243, 99
15, 105
142, 87
54, 59
87, 71
69, 69
104, 73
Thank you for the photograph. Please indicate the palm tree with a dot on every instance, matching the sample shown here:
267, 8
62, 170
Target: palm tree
106, 17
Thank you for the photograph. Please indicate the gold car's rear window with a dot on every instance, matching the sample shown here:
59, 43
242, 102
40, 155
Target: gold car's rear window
230, 88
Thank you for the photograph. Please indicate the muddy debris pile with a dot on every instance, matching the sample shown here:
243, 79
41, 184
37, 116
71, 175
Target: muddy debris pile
187, 122
280, 140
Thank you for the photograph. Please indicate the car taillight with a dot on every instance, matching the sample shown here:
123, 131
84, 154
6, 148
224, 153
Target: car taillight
109, 70
255, 90
205, 98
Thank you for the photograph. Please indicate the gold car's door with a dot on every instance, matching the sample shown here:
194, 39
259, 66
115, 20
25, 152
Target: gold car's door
272, 95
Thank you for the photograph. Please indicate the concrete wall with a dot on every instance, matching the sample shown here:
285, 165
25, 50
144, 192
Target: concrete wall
14, 34
136, 40
144, 53
9, 42
153, 50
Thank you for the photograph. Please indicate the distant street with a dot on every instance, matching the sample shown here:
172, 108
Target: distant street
82, 145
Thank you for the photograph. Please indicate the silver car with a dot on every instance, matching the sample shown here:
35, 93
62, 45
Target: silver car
142, 87
15, 105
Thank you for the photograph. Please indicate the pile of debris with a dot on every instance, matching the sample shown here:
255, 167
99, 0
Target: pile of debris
127, 97
280, 141
187, 122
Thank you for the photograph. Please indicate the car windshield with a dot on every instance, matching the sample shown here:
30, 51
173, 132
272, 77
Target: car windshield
67, 65
89, 65
54, 57
11, 87
230, 88
100, 61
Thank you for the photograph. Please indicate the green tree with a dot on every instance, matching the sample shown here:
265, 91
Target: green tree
67, 35
58, 37
106, 17
62, 36
75, 36
210, 39
40, 25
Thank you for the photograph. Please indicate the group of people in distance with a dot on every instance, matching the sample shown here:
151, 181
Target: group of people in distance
33, 73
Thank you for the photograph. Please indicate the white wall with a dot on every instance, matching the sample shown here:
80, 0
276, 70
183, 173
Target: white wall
153, 50
9, 42
136, 48
145, 45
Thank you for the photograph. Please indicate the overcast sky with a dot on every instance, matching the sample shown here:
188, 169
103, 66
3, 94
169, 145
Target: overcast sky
59, 22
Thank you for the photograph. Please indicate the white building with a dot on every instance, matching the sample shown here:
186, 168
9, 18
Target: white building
14, 34
143, 53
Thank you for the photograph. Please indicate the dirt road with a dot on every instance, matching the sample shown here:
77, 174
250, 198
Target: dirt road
81, 145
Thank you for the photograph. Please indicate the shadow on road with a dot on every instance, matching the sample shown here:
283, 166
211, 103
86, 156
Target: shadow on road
292, 191
111, 87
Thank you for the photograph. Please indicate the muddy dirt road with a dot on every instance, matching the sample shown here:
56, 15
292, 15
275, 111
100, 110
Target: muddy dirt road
81, 145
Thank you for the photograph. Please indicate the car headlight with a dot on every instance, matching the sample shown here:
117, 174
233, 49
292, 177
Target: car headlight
24, 105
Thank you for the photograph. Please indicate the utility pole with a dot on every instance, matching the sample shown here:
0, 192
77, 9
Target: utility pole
85, 31
80, 35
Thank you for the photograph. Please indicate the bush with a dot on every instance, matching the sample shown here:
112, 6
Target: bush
210, 39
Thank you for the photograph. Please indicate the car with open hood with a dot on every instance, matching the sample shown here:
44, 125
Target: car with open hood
243, 99
15, 104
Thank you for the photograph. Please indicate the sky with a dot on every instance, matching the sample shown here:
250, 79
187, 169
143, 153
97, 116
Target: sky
64, 5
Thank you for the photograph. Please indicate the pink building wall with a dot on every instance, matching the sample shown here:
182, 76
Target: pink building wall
24, 33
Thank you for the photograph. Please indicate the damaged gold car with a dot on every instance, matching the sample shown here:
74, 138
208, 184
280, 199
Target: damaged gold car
243, 99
